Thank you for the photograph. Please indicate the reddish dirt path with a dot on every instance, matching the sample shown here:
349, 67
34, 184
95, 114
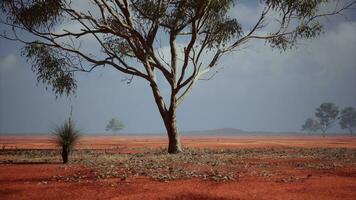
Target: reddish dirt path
34, 181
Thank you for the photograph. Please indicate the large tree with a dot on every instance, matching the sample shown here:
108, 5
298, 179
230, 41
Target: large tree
327, 114
348, 119
130, 34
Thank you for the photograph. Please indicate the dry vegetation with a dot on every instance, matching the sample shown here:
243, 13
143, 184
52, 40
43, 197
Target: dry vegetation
206, 164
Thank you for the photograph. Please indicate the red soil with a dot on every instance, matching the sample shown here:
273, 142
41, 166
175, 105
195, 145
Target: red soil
112, 142
30, 181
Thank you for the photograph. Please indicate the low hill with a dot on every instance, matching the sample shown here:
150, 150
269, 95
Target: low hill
220, 131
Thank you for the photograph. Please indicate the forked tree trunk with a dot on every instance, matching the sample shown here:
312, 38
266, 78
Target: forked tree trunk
169, 119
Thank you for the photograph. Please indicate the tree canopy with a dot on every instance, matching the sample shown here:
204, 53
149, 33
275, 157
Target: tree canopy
327, 114
348, 119
115, 125
129, 32
311, 125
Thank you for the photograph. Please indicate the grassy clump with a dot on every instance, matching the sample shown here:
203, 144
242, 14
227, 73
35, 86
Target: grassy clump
66, 136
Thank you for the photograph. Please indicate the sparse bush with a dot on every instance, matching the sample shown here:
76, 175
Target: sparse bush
66, 136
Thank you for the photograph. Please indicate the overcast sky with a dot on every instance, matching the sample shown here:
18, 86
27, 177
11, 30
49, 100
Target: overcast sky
257, 89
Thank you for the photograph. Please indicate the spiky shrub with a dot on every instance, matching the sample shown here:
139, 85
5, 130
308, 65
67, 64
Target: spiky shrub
66, 136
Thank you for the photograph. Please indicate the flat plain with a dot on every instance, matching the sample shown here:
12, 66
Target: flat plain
211, 167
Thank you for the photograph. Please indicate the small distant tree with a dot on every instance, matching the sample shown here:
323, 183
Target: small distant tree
327, 114
115, 125
348, 119
311, 125
66, 136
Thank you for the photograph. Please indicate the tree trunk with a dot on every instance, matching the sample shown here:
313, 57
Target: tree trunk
323, 130
169, 119
65, 152
174, 144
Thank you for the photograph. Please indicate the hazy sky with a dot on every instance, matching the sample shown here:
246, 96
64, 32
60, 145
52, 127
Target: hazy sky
257, 89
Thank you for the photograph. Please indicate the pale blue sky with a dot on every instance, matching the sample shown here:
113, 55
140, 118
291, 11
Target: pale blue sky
257, 89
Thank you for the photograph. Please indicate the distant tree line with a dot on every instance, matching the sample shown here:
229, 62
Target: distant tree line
326, 116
